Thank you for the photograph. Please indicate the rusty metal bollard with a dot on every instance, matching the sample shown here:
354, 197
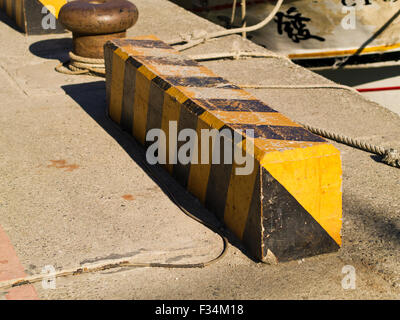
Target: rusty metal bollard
94, 22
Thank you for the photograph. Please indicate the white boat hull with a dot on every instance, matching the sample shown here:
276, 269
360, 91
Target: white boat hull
324, 30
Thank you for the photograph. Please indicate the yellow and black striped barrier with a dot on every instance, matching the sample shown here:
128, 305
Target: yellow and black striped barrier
34, 16
288, 207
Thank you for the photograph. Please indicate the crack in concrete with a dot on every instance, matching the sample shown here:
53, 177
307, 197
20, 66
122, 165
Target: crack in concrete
16, 85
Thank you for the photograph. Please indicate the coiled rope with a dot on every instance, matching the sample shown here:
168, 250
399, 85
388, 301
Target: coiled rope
78, 65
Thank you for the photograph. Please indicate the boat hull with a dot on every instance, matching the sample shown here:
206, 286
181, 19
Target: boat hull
318, 32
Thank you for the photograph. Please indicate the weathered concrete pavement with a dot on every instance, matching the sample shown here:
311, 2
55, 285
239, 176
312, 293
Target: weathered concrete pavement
65, 169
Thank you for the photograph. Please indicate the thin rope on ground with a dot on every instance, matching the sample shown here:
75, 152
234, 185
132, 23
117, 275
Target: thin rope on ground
111, 264
124, 263
235, 55
310, 86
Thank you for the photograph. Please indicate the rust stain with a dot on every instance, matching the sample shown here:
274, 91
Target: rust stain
128, 197
62, 164
3, 261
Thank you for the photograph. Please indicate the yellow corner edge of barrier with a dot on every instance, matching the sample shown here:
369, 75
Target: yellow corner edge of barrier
54, 6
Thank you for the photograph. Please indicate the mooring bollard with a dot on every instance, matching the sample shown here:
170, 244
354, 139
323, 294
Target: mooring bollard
94, 22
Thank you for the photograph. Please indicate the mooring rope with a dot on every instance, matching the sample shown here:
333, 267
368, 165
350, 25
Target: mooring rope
299, 86
236, 54
78, 65
198, 37
389, 156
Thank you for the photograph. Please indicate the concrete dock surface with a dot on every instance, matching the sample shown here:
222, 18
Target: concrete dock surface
74, 189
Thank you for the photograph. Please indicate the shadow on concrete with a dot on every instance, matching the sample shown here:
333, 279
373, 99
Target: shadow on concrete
55, 49
92, 98
8, 21
358, 76
379, 223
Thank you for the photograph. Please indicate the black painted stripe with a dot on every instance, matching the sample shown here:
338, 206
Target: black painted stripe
252, 231
187, 120
234, 134
4, 6
296, 134
290, 232
128, 98
164, 85
193, 107
155, 108
143, 43
206, 82
169, 60
13, 11
236, 105
22, 16
279, 132
111, 45
108, 58
137, 64
218, 184
260, 131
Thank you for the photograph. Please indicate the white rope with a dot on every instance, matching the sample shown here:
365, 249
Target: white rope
389, 156
310, 86
233, 11
244, 34
234, 55
197, 38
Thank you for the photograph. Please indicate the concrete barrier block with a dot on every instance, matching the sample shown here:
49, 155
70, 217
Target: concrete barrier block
287, 207
34, 16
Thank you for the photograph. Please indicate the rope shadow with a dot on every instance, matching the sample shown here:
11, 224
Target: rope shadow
91, 97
